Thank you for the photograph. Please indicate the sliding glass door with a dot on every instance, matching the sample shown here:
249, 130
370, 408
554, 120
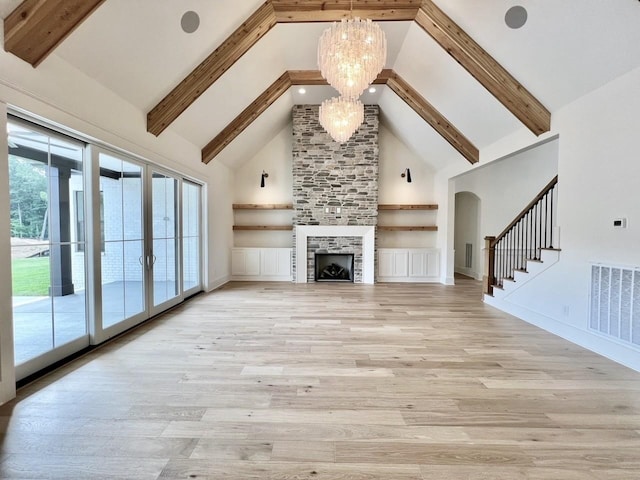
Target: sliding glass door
164, 255
119, 208
46, 178
100, 241
191, 238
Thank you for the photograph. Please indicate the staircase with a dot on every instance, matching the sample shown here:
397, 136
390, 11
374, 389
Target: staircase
525, 248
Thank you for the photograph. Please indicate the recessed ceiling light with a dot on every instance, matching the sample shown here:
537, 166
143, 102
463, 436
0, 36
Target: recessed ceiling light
372, 89
516, 17
302, 91
190, 22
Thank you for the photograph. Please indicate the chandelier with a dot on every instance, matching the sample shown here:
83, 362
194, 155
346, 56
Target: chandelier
351, 54
341, 117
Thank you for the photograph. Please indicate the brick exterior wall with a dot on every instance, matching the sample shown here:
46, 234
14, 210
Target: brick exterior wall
327, 174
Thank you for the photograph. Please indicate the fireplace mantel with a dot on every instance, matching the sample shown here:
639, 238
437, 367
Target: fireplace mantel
366, 232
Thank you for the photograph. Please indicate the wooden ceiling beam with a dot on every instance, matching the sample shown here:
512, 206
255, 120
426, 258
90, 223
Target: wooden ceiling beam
36, 27
212, 68
434, 118
298, 11
313, 77
482, 66
246, 118
435, 22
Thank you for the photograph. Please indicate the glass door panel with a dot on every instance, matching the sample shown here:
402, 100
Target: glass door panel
122, 239
47, 240
165, 252
191, 276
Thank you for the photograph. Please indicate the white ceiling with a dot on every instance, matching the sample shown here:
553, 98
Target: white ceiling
137, 49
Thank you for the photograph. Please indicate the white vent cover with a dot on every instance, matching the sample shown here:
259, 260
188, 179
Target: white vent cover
615, 302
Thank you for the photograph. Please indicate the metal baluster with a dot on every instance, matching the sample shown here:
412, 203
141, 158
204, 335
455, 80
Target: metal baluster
535, 230
546, 218
551, 216
531, 232
539, 230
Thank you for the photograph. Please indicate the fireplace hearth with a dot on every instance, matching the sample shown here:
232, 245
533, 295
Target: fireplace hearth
333, 267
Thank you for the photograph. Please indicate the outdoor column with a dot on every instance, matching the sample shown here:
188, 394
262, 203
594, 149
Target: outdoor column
60, 232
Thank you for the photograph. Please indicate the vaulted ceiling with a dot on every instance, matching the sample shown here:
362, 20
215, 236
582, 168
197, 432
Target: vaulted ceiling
458, 78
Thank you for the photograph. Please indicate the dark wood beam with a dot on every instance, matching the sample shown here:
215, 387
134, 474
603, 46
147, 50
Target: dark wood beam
434, 118
312, 77
36, 27
248, 115
483, 68
212, 68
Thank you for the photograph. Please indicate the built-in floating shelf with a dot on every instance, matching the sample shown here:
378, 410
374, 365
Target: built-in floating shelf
263, 227
408, 207
408, 228
263, 206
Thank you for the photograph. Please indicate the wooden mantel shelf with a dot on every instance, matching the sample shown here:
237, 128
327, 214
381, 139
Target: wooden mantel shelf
408, 228
263, 227
408, 207
263, 206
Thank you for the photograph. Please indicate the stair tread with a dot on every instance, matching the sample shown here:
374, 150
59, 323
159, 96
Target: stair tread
552, 249
523, 270
534, 260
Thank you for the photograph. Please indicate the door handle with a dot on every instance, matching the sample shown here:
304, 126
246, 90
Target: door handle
151, 261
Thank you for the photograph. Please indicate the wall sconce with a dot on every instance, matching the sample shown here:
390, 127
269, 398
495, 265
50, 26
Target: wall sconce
406, 173
262, 177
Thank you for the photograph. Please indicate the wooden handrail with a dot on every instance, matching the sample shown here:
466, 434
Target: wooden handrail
526, 209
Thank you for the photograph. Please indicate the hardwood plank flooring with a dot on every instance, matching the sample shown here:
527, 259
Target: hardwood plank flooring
321, 381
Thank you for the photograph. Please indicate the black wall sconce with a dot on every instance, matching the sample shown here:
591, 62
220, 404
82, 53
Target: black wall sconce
262, 177
406, 173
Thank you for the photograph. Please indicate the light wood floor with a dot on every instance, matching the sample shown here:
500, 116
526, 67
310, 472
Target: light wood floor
283, 381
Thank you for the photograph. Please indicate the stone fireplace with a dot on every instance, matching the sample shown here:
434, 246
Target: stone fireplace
335, 194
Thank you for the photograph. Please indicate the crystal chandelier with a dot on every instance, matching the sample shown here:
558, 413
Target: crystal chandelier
351, 54
341, 117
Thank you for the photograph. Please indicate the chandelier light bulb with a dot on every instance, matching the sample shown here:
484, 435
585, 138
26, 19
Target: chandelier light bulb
341, 117
351, 54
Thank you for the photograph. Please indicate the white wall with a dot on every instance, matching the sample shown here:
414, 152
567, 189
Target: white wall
275, 158
507, 185
395, 157
598, 173
467, 227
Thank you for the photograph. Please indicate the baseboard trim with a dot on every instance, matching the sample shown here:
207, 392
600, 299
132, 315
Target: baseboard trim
262, 278
408, 280
614, 351
217, 283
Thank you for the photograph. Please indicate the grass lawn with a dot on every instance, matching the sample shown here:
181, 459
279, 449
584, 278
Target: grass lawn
30, 276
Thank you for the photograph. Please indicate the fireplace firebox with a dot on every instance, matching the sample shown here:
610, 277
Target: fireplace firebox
333, 267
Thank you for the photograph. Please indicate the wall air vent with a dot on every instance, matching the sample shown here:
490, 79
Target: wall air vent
615, 302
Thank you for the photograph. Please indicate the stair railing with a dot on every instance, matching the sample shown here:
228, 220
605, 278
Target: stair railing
523, 239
